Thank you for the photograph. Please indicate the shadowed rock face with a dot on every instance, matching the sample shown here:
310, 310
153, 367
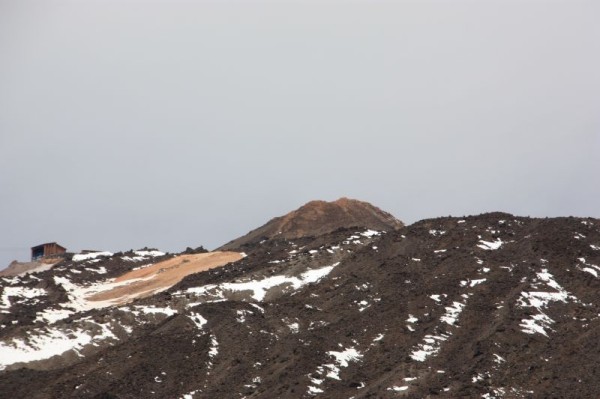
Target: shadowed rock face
317, 218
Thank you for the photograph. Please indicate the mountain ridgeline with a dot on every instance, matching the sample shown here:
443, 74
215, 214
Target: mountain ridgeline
333, 300
317, 218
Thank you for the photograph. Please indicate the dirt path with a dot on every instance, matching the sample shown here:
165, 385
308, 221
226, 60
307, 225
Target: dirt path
162, 275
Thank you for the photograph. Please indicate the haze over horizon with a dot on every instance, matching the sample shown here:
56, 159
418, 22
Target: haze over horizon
169, 124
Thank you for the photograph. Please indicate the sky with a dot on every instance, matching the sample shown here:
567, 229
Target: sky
169, 124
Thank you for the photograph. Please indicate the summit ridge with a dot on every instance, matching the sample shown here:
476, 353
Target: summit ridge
320, 217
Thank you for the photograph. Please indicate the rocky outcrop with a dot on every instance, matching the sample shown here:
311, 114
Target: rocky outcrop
317, 218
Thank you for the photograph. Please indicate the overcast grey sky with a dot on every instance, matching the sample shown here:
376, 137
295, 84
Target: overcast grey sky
178, 123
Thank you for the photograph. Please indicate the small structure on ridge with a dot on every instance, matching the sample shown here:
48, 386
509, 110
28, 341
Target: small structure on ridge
47, 250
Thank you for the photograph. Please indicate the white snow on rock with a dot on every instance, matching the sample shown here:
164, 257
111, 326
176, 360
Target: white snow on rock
20, 295
260, 309
363, 305
143, 255
540, 300
431, 344
152, 253
490, 245
190, 395
100, 270
538, 323
499, 359
259, 288
91, 255
312, 390
12, 280
398, 389
154, 310
198, 320
411, 319
241, 315
53, 315
452, 313
294, 328
43, 344
475, 282
133, 259
348, 355
332, 370
378, 337
590, 271
214, 347
370, 233
589, 268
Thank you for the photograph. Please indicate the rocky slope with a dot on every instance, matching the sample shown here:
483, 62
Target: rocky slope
20, 268
486, 306
319, 217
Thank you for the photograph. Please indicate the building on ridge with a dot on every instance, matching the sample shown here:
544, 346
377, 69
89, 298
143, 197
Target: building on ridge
47, 250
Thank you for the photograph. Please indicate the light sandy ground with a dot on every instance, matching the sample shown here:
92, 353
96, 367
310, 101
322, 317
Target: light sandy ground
160, 276
23, 268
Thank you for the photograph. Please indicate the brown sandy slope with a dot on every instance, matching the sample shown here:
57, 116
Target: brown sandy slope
320, 217
162, 275
20, 268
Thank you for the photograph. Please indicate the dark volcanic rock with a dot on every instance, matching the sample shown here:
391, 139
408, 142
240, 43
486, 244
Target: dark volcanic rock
487, 306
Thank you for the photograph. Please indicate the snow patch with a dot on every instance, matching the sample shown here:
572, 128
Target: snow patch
294, 327
346, 356
378, 337
22, 294
431, 346
259, 288
398, 389
156, 310
100, 270
47, 343
198, 320
475, 282
53, 315
432, 343
452, 313
540, 300
151, 254
91, 255
332, 370
436, 233
490, 245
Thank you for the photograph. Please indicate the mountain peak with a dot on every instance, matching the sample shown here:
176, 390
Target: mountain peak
320, 217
